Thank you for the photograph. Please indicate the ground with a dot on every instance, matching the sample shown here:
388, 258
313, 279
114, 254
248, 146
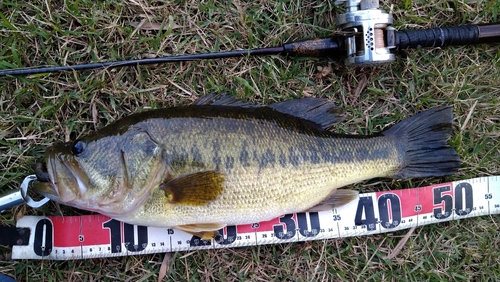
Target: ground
38, 110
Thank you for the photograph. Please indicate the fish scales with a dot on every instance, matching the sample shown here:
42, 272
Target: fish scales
254, 147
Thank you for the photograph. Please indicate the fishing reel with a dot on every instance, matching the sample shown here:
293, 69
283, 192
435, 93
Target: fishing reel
369, 32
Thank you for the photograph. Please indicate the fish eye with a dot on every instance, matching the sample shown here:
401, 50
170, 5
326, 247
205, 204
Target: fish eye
78, 147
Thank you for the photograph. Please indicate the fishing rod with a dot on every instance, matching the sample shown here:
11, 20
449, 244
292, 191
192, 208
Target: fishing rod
366, 38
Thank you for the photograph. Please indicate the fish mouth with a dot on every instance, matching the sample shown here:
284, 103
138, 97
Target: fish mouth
41, 172
43, 184
60, 179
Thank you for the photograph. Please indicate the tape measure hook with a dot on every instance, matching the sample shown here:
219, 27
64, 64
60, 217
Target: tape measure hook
24, 191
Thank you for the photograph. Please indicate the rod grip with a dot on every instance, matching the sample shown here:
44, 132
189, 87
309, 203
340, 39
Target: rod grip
437, 37
332, 47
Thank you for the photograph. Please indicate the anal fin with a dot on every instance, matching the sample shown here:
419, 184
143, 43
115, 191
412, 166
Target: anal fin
206, 231
336, 199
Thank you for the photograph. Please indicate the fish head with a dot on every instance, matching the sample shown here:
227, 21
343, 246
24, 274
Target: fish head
66, 181
111, 175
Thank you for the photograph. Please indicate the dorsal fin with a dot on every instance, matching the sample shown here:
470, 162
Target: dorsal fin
318, 110
223, 100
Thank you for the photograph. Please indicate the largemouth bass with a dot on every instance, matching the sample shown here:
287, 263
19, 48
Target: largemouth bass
223, 162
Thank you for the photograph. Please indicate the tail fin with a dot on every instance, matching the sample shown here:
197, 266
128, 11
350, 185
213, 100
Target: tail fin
424, 137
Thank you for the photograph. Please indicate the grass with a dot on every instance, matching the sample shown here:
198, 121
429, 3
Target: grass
38, 110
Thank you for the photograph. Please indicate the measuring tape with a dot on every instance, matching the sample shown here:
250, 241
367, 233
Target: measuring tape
95, 236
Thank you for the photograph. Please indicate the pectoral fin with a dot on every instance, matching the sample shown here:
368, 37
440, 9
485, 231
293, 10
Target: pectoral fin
336, 199
196, 189
205, 231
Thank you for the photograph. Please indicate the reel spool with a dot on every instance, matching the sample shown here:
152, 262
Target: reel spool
371, 32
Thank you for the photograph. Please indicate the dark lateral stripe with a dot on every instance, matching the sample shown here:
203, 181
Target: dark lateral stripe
181, 158
267, 159
244, 156
229, 162
217, 157
293, 156
313, 153
282, 159
196, 156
